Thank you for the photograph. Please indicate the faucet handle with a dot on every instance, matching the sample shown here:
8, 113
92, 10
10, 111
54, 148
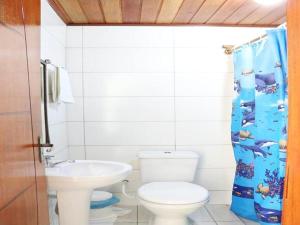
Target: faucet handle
47, 159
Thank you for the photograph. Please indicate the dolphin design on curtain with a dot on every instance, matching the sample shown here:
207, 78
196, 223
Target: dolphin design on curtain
259, 128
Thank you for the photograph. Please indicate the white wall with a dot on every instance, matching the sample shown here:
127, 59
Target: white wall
154, 88
53, 47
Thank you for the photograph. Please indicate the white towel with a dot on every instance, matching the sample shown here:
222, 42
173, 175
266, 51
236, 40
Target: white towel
64, 87
53, 84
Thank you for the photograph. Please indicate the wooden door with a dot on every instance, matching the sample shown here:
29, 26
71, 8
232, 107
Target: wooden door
291, 209
22, 193
32, 30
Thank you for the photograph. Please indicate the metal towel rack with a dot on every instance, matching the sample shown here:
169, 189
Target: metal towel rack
45, 93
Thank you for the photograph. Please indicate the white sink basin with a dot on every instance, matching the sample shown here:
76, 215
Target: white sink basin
74, 182
86, 174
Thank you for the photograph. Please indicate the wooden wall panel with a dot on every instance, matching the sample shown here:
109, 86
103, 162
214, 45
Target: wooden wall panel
22, 211
92, 10
207, 11
131, 11
150, 10
187, 10
112, 11
291, 215
11, 15
168, 11
226, 10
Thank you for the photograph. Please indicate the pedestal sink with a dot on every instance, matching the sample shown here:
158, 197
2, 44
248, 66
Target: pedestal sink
74, 182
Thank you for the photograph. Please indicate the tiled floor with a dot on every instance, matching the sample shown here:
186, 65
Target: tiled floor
208, 215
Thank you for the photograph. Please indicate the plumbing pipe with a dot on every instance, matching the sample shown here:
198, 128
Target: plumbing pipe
124, 187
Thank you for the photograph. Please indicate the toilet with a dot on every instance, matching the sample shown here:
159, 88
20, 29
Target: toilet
167, 190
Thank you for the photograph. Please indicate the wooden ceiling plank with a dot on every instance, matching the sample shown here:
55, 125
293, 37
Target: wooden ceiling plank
259, 13
92, 11
276, 14
168, 11
60, 11
150, 10
207, 10
74, 10
187, 11
279, 21
226, 11
131, 11
112, 11
245, 10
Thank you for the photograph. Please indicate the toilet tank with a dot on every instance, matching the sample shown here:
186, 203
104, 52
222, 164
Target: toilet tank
159, 166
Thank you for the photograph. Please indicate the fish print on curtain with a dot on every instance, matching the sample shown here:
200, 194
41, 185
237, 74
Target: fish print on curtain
259, 128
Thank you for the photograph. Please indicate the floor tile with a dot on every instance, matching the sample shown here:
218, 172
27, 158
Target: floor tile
221, 213
131, 217
231, 223
201, 215
144, 215
249, 222
203, 223
127, 223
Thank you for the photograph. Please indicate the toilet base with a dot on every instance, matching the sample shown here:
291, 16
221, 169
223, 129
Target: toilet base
169, 221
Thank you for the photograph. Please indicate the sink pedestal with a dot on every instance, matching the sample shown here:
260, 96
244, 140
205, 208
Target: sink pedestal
74, 182
74, 207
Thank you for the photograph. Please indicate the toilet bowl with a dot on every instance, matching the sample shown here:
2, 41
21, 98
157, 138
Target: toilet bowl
171, 202
168, 191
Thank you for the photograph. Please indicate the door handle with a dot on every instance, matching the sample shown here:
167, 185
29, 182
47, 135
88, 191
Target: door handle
46, 145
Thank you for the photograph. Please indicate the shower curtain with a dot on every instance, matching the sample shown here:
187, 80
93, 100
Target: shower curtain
259, 128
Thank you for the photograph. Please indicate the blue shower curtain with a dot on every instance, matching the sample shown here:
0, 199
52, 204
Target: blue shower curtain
259, 128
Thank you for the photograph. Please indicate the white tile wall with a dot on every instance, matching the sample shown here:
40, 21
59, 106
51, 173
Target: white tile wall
53, 47
159, 88
212, 85
128, 85
129, 133
129, 109
134, 60
137, 37
203, 108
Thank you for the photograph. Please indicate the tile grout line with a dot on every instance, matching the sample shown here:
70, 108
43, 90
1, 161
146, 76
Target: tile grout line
211, 216
174, 90
83, 97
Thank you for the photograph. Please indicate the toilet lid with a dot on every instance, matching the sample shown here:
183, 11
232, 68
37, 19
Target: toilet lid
173, 193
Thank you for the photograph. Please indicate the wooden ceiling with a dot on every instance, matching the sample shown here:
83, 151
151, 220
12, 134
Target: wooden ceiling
167, 12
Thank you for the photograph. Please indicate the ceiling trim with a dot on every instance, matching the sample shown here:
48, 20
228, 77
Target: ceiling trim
174, 25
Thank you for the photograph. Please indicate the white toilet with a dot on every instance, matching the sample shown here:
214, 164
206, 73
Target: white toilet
168, 191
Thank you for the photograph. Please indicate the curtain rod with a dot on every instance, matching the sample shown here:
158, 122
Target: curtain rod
229, 49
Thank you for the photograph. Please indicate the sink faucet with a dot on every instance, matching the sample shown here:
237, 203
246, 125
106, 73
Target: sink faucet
50, 164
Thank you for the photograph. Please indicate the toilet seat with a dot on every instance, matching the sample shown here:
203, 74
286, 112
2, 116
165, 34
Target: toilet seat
173, 193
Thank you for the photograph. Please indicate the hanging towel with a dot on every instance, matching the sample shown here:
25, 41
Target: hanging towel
64, 90
53, 84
